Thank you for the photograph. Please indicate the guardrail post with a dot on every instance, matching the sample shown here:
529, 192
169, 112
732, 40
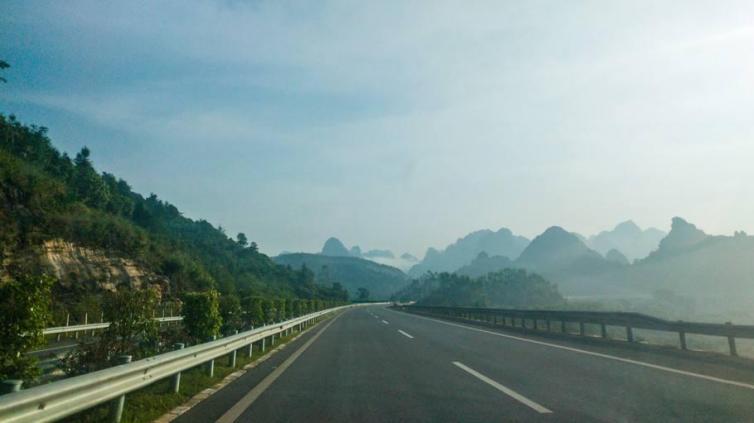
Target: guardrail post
732, 342
116, 408
76, 334
67, 319
629, 334
603, 330
582, 329
536, 326
547, 324
563, 328
251, 349
232, 357
272, 340
263, 344
10, 385
211, 363
682, 337
176, 385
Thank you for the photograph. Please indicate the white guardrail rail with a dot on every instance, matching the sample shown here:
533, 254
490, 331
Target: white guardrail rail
96, 326
60, 399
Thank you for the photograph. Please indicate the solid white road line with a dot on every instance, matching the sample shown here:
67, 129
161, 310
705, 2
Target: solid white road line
405, 334
596, 354
235, 412
507, 391
385, 322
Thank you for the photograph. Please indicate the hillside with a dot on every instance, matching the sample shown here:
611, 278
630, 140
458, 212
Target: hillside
717, 272
460, 253
45, 196
483, 264
557, 250
335, 248
509, 288
560, 256
351, 272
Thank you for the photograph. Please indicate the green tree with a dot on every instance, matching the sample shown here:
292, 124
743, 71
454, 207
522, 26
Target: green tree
201, 314
268, 310
242, 240
88, 185
230, 311
363, 294
281, 310
132, 329
254, 313
24, 313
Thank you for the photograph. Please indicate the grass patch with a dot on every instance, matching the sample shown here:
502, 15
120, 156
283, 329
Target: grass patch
151, 402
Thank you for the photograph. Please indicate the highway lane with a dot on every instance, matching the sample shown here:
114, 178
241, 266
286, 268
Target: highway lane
380, 365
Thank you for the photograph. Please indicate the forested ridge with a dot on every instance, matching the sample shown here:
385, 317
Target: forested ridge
45, 194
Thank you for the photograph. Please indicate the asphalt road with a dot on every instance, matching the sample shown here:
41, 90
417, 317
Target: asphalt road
379, 365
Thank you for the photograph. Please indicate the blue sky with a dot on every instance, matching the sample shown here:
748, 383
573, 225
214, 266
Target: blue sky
398, 124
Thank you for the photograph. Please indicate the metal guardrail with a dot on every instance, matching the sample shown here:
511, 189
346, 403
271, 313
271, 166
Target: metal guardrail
631, 321
96, 326
69, 396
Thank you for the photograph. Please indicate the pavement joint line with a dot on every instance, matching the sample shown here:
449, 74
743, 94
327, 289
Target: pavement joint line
507, 391
601, 355
244, 403
206, 393
405, 334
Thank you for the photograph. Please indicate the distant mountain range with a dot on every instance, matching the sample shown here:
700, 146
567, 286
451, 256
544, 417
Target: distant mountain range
351, 272
624, 261
556, 248
335, 248
686, 261
500, 243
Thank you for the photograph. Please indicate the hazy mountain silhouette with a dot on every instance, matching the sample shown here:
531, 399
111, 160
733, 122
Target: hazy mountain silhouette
351, 272
466, 249
557, 249
563, 258
716, 270
409, 257
628, 238
615, 256
682, 237
333, 247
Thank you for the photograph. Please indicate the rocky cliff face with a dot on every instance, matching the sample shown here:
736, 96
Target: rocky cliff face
79, 267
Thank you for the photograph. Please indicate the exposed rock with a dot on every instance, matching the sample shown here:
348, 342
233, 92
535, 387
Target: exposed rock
77, 267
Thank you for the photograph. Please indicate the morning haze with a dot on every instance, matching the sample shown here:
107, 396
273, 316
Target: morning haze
376, 211
397, 125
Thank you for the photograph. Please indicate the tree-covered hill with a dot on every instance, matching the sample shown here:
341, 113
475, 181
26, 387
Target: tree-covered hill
44, 195
507, 288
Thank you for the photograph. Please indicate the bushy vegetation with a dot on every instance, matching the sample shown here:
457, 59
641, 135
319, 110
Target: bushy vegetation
24, 312
514, 288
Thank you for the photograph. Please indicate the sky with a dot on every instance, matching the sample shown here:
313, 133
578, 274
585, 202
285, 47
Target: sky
400, 124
